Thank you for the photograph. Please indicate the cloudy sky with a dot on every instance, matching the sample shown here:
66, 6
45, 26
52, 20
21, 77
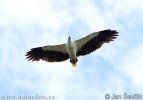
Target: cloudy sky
114, 69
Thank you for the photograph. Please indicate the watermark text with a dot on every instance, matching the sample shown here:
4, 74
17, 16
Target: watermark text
124, 96
27, 97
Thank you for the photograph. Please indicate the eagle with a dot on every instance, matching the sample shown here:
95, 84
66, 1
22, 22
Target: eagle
72, 49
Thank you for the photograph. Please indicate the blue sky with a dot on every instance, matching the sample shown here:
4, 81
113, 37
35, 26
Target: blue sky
115, 68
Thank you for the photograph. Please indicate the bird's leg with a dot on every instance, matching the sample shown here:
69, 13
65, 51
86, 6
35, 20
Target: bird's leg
74, 62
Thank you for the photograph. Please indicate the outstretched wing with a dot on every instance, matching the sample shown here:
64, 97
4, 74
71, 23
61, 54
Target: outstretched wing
94, 41
54, 53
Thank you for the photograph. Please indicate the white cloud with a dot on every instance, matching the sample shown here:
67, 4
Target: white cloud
26, 12
132, 66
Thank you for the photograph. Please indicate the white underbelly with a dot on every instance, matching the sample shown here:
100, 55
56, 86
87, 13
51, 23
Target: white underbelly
71, 49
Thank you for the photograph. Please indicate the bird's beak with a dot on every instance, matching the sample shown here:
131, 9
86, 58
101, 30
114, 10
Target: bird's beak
74, 64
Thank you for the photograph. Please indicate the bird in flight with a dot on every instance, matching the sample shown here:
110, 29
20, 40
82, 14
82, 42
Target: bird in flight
72, 49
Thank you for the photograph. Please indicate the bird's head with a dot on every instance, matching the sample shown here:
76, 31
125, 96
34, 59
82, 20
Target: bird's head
69, 38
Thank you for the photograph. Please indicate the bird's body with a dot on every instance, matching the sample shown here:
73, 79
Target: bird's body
72, 49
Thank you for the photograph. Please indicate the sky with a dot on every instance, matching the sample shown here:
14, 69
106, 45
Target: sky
115, 68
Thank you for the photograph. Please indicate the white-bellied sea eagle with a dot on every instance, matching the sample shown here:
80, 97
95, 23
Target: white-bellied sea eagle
72, 49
